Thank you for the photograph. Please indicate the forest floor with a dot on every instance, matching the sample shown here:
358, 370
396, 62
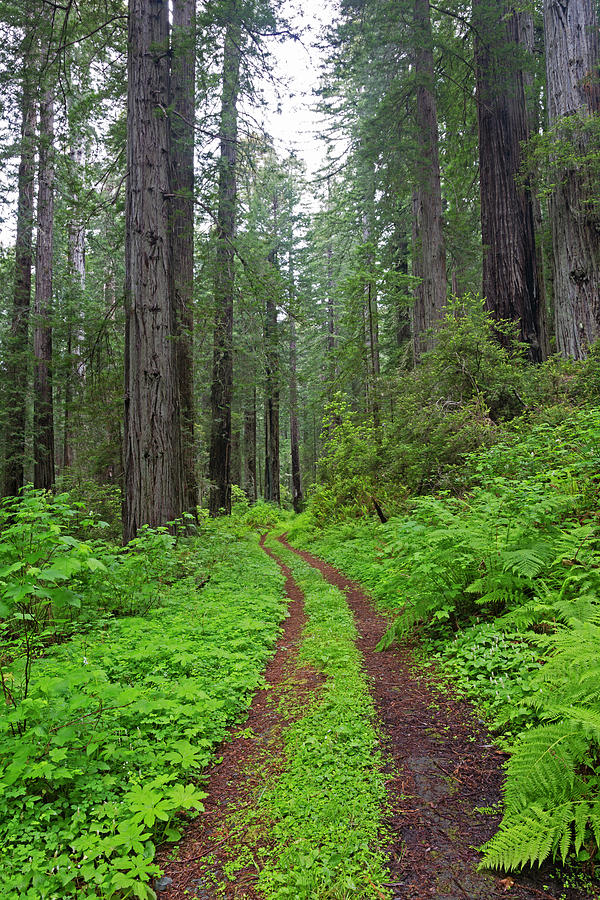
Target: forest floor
442, 770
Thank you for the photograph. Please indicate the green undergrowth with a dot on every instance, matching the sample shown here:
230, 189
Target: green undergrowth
325, 809
502, 583
101, 758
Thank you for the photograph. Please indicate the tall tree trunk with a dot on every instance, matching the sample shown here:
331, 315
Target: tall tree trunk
429, 255
236, 449
534, 114
371, 317
510, 278
222, 372
271, 403
572, 55
250, 483
154, 491
76, 271
272, 478
43, 405
401, 313
294, 429
183, 85
330, 288
16, 375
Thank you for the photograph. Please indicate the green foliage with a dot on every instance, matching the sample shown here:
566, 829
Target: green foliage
571, 145
552, 791
453, 404
326, 807
261, 515
100, 505
352, 470
504, 581
494, 665
103, 751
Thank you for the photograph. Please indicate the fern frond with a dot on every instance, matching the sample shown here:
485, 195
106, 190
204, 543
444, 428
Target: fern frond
529, 613
521, 839
587, 719
543, 765
401, 627
530, 837
584, 608
528, 561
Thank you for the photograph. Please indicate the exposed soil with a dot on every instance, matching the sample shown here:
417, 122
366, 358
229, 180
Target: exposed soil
250, 758
442, 766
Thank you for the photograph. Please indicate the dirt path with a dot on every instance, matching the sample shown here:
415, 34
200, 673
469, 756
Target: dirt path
250, 758
442, 768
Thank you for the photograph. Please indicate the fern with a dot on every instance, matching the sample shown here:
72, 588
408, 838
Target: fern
527, 561
533, 834
552, 790
544, 765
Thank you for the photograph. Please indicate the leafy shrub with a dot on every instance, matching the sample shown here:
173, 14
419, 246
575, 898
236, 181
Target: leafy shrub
354, 469
453, 404
506, 579
495, 665
261, 516
102, 750
99, 503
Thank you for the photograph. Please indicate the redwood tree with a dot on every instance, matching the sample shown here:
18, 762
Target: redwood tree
222, 370
43, 405
572, 56
429, 255
183, 77
154, 489
17, 346
510, 277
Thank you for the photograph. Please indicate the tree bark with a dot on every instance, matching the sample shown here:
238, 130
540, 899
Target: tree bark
17, 350
222, 372
401, 314
250, 484
510, 278
572, 55
76, 272
429, 255
272, 477
294, 428
43, 405
183, 85
154, 492
371, 324
297, 497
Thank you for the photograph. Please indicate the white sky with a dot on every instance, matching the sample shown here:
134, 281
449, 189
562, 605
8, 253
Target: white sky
293, 122
290, 118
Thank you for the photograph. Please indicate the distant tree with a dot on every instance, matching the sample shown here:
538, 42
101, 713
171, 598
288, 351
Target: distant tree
272, 369
429, 254
43, 400
17, 345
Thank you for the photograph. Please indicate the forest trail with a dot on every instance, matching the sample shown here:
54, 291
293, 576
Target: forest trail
442, 768
248, 760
